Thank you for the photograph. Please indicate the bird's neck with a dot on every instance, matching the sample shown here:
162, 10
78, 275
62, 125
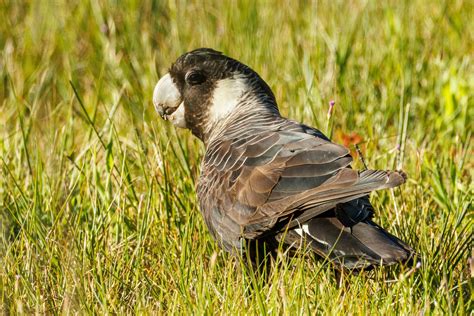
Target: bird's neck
253, 113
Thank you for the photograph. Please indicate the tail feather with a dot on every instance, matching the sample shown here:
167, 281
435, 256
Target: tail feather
361, 246
388, 247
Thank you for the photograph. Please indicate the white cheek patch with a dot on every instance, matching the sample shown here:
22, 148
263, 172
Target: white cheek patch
177, 117
226, 96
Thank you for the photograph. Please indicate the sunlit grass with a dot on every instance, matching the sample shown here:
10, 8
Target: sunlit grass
98, 211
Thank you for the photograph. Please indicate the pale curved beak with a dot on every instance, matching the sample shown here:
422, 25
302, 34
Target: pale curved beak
168, 102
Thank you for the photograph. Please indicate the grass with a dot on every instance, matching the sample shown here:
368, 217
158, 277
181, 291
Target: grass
98, 212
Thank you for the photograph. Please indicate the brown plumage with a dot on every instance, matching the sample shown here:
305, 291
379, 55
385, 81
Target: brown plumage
265, 177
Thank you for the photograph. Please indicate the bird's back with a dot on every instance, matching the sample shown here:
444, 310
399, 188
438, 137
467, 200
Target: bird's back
283, 176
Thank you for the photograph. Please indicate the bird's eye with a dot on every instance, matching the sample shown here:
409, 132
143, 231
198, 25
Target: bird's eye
195, 78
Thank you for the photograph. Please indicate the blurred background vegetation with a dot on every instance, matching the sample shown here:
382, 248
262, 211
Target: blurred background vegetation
97, 204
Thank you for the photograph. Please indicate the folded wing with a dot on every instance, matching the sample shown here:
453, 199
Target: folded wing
285, 177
